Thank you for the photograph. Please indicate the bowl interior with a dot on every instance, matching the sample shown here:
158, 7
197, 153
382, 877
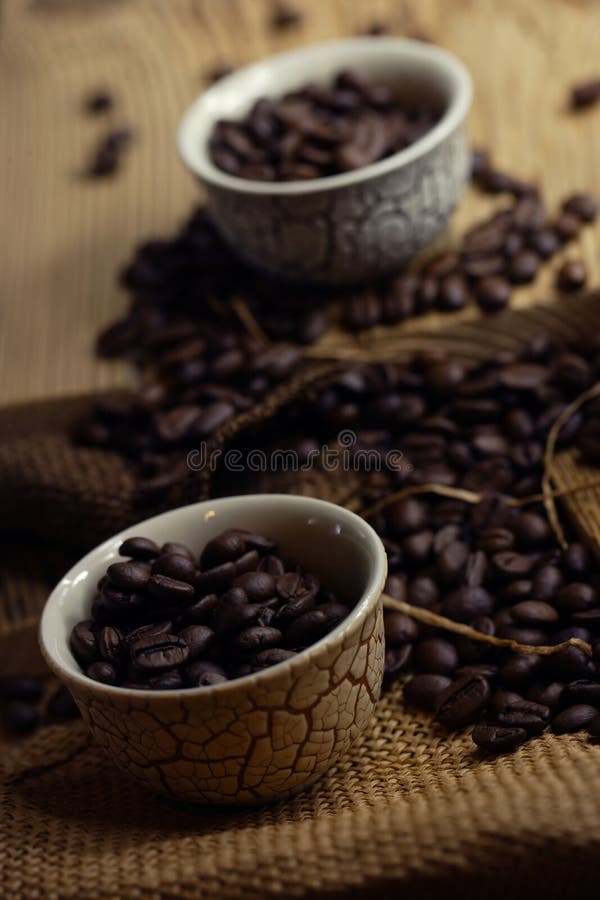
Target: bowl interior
333, 543
414, 69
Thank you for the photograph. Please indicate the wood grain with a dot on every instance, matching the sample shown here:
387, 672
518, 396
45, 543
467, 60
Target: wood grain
63, 237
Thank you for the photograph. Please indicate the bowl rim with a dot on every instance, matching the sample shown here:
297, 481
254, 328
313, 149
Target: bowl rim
368, 599
197, 158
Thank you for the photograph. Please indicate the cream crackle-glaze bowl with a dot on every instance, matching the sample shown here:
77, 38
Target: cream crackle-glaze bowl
264, 735
354, 226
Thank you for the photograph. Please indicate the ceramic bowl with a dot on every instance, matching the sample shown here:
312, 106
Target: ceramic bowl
261, 736
354, 226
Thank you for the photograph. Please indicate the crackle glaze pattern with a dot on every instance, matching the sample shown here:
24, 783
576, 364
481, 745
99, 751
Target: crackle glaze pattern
355, 232
260, 738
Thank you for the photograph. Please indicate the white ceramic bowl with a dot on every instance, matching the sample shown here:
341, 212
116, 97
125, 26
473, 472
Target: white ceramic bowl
350, 227
264, 735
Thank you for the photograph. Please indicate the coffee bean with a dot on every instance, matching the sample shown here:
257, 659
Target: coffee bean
424, 690
546, 582
170, 591
495, 540
576, 597
518, 670
584, 206
523, 267
492, 293
139, 548
174, 566
20, 717
109, 644
572, 276
567, 226
585, 93
20, 687
451, 562
452, 294
534, 612
511, 565
574, 718
256, 639
165, 652
466, 603
227, 547
216, 579
436, 656
198, 639
568, 664
498, 739
166, 681
397, 661
257, 585
176, 549
308, 628
399, 629
272, 657
129, 576
83, 642
462, 701
103, 672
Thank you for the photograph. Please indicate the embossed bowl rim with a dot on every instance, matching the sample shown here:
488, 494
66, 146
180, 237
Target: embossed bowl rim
233, 95
74, 588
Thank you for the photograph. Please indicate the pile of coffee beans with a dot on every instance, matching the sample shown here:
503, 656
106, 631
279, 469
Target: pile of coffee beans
200, 367
164, 619
27, 701
492, 565
319, 130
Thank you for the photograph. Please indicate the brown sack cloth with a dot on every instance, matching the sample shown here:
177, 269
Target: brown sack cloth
411, 811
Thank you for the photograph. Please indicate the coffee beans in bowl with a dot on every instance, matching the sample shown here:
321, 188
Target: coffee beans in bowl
207, 662
164, 620
334, 163
318, 130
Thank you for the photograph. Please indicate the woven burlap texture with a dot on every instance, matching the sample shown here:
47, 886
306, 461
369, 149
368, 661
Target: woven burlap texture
410, 811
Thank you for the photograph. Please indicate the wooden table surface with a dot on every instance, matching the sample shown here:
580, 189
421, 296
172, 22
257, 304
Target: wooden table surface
63, 238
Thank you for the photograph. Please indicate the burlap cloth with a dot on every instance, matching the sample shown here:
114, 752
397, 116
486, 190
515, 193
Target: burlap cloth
411, 811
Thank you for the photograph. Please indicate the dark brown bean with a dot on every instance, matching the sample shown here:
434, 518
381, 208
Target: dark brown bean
139, 548
462, 701
572, 276
129, 576
424, 690
436, 656
155, 653
498, 739
574, 718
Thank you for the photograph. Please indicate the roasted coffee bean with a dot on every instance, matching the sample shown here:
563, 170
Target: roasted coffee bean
21, 687
567, 226
511, 565
574, 718
272, 657
170, 591
399, 629
61, 705
497, 738
462, 702
215, 580
424, 690
174, 566
129, 576
227, 547
166, 681
534, 612
523, 267
496, 540
176, 549
195, 670
109, 644
422, 591
576, 597
544, 242
572, 276
198, 639
519, 670
257, 585
584, 206
103, 672
309, 627
436, 656
20, 717
492, 293
155, 653
397, 661
581, 691
546, 582
466, 603
549, 695
451, 562
83, 642
453, 293
154, 629
139, 548
585, 93
568, 664
256, 638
